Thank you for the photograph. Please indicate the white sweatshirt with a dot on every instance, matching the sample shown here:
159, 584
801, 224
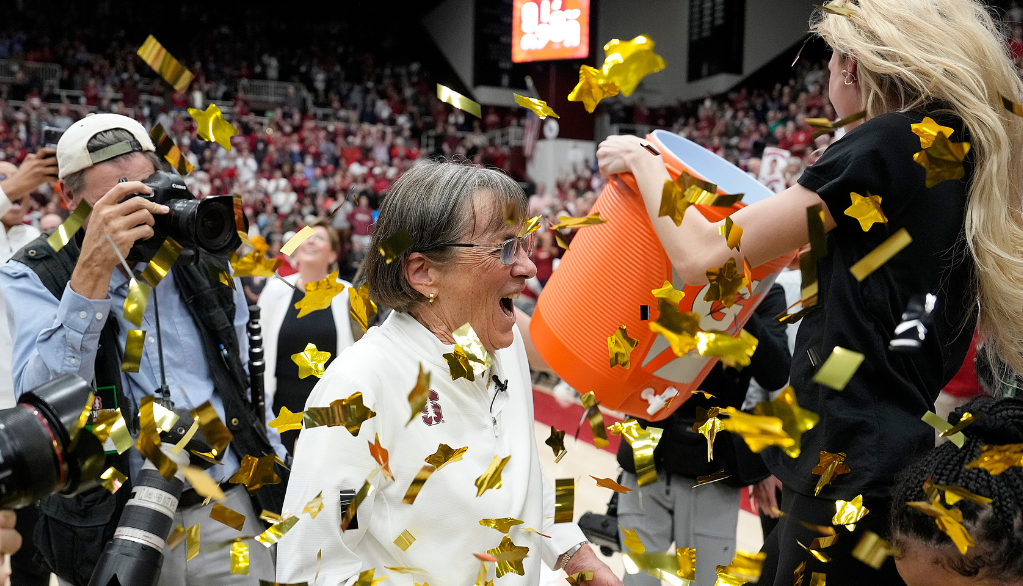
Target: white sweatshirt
445, 517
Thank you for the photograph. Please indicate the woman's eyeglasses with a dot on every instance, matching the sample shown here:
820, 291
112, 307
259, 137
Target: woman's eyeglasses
509, 248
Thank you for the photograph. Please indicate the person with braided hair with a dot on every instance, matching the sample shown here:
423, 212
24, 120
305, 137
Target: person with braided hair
926, 555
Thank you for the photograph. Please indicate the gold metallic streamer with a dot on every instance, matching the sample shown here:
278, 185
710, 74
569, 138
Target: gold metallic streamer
392, 248
276, 531
965, 421
361, 308
608, 483
556, 441
202, 483
135, 302
405, 540
825, 126
830, 466
255, 473
109, 423
192, 541
930, 418
818, 250
471, 345
711, 478
450, 96
573, 223
579, 577
167, 150
620, 347
758, 431
213, 429
417, 484
686, 558
161, 263
745, 567
295, 241
660, 565
353, 506
149, 440
163, 63
596, 419
631, 540
995, 459
112, 479
880, 255
954, 494
872, 550
564, 500
240, 558
839, 368
314, 506
1010, 105
795, 420
66, 231
227, 516
185, 438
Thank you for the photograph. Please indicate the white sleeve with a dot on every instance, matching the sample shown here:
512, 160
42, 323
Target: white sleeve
328, 460
563, 535
5, 202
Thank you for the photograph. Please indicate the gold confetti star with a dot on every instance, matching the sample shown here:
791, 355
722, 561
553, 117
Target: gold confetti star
943, 160
848, 513
567, 223
669, 293
628, 62
866, 209
673, 202
445, 455
592, 88
679, 329
620, 347
632, 541
361, 308
350, 412
381, 456
557, 443
928, 130
734, 352
255, 473
608, 483
419, 394
492, 477
286, 421
725, 283
212, 126
830, 466
950, 521
458, 365
310, 361
255, 264
503, 524
795, 419
318, 295
759, 431
509, 557
998, 459
529, 226
471, 345
539, 107
745, 567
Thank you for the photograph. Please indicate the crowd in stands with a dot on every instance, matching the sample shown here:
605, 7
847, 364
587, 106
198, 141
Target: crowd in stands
334, 151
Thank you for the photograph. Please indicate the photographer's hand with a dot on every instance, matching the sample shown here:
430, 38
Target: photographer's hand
37, 168
10, 539
125, 222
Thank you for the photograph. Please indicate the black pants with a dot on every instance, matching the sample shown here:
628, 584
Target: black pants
292, 393
784, 553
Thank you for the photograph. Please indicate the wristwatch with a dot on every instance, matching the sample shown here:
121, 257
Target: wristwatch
565, 557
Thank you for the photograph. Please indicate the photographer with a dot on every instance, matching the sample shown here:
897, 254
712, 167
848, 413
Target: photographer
65, 312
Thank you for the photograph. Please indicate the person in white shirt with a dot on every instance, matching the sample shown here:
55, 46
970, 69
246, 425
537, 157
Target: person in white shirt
465, 264
13, 237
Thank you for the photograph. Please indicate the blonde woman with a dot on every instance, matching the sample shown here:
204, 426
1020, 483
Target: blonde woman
901, 61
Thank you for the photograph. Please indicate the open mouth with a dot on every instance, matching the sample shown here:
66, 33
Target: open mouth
507, 304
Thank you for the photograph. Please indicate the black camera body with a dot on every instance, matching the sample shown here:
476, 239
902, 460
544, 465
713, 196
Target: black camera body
206, 225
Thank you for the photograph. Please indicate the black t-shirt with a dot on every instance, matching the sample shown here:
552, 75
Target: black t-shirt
875, 420
316, 328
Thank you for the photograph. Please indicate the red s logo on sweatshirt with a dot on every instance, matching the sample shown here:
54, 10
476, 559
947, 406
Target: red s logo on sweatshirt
432, 412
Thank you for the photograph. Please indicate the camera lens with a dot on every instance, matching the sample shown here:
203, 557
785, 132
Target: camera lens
209, 227
213, 228
36, 453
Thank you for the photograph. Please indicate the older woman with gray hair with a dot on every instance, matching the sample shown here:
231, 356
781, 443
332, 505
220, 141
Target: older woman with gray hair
434, 484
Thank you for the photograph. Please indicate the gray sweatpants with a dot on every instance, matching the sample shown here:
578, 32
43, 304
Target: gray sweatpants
213, 568
671, 510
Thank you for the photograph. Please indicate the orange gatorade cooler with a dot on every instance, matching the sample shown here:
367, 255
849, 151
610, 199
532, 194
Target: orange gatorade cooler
609, 273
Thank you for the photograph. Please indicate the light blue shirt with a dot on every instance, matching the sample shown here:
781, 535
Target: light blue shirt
53, 337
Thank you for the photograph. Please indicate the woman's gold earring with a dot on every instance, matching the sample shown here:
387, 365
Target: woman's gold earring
432, 296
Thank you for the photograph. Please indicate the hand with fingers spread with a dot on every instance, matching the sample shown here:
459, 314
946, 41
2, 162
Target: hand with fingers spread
124, 221
37, 168
10, 539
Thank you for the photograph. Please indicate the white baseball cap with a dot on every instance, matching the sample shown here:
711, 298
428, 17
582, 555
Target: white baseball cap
73, 154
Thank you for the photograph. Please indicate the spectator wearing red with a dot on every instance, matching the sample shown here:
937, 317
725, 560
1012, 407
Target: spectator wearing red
361, 220
963, 386
1015, 44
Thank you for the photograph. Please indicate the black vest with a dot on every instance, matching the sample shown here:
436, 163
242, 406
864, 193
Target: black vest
92, 516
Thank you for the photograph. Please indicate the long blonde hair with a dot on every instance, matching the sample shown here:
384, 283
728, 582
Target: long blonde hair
949, 55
